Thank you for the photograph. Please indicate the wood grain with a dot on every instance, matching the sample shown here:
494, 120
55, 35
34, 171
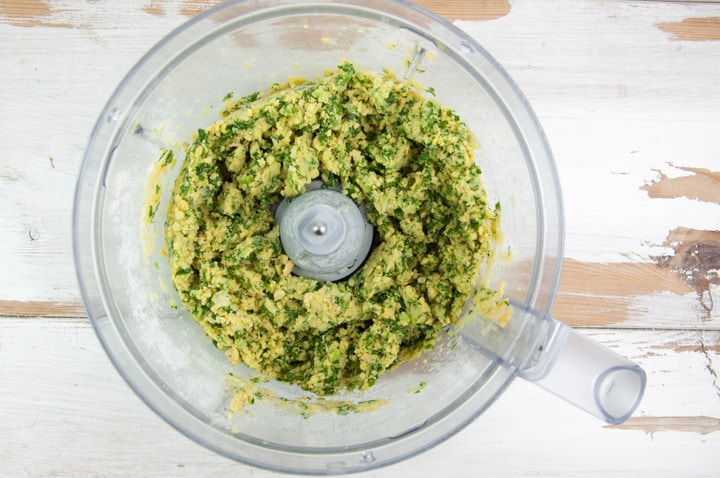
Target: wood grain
595, 295
34, 13
693, 29
187, 8
651, 425
603, 294
29, 13
468, 10
700, 185
627, 93
17, 308
452, 9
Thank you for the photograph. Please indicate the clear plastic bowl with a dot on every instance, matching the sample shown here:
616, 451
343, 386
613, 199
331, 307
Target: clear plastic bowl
176, 88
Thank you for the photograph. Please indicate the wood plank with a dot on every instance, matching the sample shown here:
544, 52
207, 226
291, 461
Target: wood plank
57, 381
584, 93
40, 13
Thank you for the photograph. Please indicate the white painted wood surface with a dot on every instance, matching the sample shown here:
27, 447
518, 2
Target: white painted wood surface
629, 95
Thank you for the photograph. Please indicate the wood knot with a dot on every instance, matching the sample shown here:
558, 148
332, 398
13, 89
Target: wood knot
696, 261
701, 266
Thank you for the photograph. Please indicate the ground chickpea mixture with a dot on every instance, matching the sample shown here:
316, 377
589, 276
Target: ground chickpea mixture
391, 148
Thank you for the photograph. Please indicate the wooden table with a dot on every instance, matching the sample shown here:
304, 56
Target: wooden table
629, 95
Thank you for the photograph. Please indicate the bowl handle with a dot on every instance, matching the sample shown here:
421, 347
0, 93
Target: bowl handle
586, 374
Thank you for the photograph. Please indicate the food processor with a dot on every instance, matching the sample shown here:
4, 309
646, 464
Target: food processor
243, 47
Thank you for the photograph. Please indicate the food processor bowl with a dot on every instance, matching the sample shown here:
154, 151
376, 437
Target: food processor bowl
177, 88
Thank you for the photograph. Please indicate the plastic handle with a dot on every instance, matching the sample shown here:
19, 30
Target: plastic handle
586, 374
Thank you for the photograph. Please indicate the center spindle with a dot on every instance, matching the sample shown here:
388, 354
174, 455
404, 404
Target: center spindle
324, 233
